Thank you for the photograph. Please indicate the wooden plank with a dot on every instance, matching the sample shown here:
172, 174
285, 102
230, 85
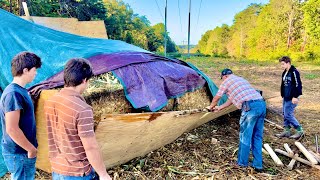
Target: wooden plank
297, 158
25, 8
315, 155
290, 152
273, 155
306, 153
274, 124
292, 162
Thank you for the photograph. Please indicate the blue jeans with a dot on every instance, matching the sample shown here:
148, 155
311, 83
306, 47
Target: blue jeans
288, 114
251, 134
20, 166
56, 176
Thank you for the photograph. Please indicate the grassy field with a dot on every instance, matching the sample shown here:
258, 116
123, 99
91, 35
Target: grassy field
210, 151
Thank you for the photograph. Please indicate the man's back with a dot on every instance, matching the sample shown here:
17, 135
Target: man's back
68, 119
238, 90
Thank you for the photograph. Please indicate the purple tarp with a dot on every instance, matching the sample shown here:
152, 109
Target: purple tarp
146, 75
150, 85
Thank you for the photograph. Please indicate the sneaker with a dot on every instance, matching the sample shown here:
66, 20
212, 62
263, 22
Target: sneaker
297, 135
284, 134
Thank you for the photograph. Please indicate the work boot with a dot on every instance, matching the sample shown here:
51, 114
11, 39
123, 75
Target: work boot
284, 134
297, 135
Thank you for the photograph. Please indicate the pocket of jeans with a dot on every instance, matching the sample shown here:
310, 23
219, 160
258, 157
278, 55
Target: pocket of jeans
10, 162
30, 166
32, 160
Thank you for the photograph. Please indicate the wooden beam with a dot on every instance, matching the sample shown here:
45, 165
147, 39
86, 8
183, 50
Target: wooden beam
297, 158
26, 11
290, 152
273, 155
306, 153
315, 155
274, 124
292, 162
25, 8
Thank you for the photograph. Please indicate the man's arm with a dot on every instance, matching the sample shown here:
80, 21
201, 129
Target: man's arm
93, 153
297, 91
225, 105
14, 131
214, 102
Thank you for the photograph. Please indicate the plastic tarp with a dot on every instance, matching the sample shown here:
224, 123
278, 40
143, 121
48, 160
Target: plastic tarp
152, 77
143, 74
55, 48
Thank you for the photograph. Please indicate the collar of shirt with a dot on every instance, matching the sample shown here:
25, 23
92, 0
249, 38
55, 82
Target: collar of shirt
70, 92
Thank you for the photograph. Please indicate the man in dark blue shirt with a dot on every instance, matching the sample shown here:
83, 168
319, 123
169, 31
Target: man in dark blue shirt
19, 143
291, 89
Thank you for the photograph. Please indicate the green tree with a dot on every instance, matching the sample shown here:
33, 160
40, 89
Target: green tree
278, 30
217, 41
160, 34
244, 22
311, 13
202, 44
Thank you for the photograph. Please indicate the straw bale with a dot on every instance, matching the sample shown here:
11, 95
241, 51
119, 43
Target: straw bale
106, 96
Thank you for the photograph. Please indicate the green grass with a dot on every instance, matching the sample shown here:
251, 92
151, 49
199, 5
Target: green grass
311, 76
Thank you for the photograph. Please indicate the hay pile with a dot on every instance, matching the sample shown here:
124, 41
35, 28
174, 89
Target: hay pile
105, 94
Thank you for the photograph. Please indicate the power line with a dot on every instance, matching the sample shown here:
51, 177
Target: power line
159, 9
198, 15
180, 16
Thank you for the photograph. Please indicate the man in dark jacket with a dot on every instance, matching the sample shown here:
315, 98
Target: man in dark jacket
291, 89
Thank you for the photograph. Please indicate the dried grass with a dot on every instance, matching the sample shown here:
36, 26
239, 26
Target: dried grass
105, 95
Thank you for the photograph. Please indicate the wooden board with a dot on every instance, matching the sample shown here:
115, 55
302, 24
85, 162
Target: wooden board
94, 29
123, 137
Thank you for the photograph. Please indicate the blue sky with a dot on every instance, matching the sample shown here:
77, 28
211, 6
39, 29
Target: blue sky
212, 13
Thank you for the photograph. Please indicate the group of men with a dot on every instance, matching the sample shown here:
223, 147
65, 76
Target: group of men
73, 150
253, 110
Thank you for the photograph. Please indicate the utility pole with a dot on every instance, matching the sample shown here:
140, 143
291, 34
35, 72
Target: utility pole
11, 6
189, 29
165, 29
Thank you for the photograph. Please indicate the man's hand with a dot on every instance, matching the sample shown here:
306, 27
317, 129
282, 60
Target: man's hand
209, 108
105, 177
32, 153
295, 100
217, 108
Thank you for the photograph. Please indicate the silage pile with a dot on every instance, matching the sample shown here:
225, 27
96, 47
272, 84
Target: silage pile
106, 96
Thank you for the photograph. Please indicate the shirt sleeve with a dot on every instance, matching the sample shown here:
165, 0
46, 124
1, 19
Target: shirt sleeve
13, 101
222, 89
298, 85
85, 123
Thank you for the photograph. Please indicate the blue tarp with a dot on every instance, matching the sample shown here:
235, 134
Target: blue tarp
54, 47
142, 73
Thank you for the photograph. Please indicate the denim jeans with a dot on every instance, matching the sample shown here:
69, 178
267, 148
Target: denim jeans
251, 134
20, 166
288, 114
56, 176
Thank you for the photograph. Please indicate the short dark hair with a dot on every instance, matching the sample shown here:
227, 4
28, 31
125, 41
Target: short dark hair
76, 70
23, 60
285, 59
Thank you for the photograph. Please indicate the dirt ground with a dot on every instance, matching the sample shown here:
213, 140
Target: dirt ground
210, 151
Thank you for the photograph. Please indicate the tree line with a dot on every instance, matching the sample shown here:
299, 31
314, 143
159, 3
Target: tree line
286, 27
120, 20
